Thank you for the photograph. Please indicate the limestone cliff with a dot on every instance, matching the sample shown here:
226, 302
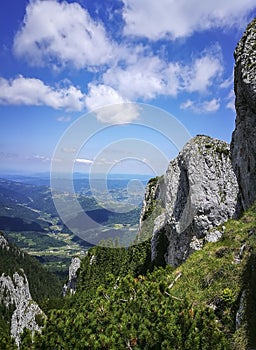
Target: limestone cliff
14, 291
72, 277
15, 295
197, 193
243, 146
24, 286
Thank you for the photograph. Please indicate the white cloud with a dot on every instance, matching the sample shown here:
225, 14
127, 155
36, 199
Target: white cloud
141, 79
61, 33
145, 78
227, 83
39, 158
150, 76
31, 91
231, 101
84, 161
201, 107
176, 19
201, 75
109, 106
102, 95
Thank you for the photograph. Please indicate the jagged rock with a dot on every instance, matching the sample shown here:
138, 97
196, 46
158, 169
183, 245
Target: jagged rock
72, 278
15, 292
243, 145
198, 192
3, 243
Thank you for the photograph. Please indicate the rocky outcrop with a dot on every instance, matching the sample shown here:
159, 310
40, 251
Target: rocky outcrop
197, 193
72, 277
14, 292
3, 243
24, 312
243, 145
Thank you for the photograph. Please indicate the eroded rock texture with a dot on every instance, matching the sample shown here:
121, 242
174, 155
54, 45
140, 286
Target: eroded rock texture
14, 292
243, 145
197, 193
72, 277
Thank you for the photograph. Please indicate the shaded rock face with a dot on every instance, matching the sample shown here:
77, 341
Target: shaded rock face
243, 145
198, 192
14, 292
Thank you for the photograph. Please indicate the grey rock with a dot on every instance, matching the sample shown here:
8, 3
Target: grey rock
198, 192
3, 243
72, 277
15, 291
196, 244
241, 314
243, 145
213, 236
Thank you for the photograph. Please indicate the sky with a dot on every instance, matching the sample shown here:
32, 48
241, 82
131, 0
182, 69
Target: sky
95, 81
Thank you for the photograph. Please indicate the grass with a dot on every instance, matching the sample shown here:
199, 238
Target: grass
220, 273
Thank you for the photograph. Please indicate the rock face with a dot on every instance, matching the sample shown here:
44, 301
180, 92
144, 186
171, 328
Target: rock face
14, 292
15, 296
72, 278
197, 193
243, 145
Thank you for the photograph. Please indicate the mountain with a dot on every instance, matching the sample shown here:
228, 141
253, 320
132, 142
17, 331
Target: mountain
189, 280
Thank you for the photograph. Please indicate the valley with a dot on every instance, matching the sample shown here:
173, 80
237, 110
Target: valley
28, 217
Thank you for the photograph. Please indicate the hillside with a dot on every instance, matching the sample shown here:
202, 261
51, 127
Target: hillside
206, 303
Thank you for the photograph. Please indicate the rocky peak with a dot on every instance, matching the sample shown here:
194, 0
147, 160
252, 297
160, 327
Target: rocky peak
197, 193
243, 145
72, 277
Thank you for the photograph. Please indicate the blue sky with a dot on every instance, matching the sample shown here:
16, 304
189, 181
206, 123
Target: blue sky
60, 60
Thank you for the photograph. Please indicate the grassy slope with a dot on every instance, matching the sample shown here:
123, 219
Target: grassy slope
218, 275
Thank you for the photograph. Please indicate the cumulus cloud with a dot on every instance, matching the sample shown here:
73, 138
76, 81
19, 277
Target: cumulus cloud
31, 91
62, 33
176, 19
199, 77
201, 107
141, 79
150, 77
102, 95
109, 106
